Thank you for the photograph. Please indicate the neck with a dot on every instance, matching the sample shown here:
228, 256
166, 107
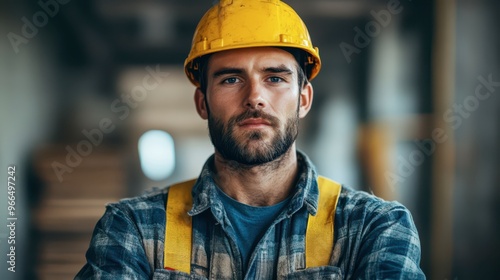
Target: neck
260, 185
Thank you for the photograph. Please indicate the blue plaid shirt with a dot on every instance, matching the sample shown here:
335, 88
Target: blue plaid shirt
374, 239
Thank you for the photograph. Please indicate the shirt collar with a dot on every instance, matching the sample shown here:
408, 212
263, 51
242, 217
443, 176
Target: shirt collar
306, 190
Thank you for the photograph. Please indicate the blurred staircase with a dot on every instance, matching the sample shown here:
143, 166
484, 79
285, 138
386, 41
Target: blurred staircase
69, 209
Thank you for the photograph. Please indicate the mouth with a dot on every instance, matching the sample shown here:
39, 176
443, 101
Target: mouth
254, 123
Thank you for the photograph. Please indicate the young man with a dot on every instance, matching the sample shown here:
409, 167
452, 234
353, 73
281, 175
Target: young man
258, 210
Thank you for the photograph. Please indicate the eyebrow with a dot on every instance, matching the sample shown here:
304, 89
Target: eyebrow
225, 71
232, 70
280, 69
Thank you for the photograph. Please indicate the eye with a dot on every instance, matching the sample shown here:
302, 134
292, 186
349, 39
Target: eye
231, 80
276, 79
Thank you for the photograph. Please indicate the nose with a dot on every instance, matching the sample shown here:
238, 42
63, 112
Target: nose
255, 96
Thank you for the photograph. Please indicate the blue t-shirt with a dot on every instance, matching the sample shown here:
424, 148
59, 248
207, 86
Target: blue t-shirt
249, 222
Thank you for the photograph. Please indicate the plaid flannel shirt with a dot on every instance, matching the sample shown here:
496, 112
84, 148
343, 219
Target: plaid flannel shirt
374, 239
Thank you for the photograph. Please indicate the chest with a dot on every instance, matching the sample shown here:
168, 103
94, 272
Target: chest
279, 254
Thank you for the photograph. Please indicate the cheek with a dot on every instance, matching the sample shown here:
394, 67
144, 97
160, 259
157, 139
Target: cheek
287, 104
220, 108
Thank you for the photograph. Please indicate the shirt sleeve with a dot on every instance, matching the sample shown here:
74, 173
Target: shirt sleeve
390, 247
116, 250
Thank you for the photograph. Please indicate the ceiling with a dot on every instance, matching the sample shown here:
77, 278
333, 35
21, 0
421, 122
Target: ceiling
153, 31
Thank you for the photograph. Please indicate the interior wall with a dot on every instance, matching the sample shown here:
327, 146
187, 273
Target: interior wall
475, 119
28, 106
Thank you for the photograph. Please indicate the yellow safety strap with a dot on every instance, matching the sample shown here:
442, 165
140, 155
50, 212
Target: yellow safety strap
178, 230
319, 233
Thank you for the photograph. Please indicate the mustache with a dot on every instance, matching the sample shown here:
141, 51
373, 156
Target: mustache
249, 114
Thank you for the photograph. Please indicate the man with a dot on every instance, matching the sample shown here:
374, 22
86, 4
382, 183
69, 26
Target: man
258, 209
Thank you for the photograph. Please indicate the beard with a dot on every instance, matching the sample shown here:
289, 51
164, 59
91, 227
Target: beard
242, 151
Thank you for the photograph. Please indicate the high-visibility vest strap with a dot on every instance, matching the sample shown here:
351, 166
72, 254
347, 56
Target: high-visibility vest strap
178, 228
319, 232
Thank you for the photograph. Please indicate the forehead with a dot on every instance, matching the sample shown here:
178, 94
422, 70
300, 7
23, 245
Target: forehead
252, 57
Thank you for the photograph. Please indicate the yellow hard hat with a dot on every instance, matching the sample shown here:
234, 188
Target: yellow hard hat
233, 24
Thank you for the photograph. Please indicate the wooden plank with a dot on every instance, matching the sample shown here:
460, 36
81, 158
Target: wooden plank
443, 165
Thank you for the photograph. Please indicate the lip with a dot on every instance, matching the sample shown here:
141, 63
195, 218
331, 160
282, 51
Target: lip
254, 122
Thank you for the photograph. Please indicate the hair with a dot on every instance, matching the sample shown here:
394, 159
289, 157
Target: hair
300, 58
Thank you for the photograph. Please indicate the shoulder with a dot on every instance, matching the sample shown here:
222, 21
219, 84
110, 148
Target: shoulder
360, 202
139, 212
362, 210
150, 201
148, 207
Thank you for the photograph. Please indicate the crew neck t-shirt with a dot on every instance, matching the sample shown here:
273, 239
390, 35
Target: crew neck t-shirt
249, 222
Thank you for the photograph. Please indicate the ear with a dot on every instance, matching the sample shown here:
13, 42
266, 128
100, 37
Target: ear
306, 98
201, 105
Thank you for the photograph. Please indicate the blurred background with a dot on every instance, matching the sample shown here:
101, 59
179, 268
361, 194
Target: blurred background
94, 107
